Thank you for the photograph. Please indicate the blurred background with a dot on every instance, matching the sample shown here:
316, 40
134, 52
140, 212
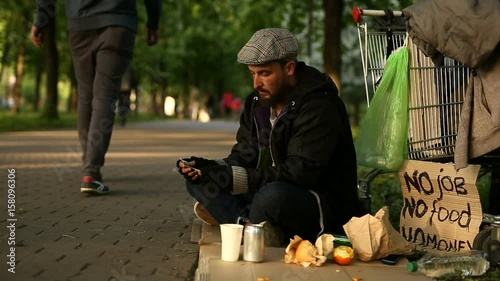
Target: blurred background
192, 73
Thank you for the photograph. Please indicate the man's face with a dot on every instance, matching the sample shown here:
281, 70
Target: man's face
272, 81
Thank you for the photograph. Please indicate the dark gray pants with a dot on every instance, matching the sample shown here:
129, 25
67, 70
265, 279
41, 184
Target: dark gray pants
100, 59
294, 209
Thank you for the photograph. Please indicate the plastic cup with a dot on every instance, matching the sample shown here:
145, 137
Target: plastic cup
231, 241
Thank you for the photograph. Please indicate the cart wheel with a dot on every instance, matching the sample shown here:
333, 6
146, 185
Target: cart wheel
484, 243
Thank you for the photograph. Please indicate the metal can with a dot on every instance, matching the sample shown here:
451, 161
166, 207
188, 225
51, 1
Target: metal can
253, 243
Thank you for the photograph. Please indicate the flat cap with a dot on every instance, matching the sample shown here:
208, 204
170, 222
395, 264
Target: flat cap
269, 44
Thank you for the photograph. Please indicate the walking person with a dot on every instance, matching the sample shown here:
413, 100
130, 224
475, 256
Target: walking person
210, 104
226, 103
293, 167
102, 38
194, 104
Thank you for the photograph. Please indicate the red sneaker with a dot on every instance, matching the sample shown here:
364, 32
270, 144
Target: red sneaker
92, 186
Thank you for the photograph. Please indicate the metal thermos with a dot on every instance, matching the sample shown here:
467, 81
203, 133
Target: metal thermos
253, 243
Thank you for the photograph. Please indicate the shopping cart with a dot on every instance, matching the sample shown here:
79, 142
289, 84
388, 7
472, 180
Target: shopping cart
436, 97
436, 93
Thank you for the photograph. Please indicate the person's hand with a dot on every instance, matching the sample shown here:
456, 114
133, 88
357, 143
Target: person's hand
37, 35
187, 171
184, 162
153, 36
200, 162
220, 175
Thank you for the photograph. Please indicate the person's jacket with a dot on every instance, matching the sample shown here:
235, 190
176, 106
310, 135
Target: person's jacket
310, 146
95, 14
467, 31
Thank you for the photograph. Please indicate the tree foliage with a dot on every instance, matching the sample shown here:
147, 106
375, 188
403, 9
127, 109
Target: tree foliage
199, 41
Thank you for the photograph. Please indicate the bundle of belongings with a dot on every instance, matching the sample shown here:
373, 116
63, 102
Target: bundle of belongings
467, 31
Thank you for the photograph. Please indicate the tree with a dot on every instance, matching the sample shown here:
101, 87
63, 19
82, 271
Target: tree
17, 39
39, 71
198, 45
19, 74
27, 60
50, 110
332, 46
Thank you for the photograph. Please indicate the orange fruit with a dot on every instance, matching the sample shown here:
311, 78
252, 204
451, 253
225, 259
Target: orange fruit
306, 252
343, 255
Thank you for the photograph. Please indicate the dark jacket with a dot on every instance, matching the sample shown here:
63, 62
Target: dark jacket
311, 146
94, 14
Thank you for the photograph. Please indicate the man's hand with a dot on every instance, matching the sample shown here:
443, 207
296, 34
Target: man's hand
187, 171
200, 162
196, 162
153, 36
220, 175
38, 35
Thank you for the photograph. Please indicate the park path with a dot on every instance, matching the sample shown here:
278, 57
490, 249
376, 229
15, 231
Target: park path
140, 231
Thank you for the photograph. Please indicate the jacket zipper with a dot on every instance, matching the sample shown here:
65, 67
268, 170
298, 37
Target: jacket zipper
255, 99
285, 111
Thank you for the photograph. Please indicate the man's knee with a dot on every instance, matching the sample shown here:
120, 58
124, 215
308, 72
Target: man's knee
270, 196
203, 192
196, 191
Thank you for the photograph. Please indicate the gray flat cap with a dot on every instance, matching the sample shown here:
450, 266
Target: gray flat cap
269, 44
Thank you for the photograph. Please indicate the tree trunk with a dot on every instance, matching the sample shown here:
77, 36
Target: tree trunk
164, 85
72, 103
154, 97
332, 49
17, 91
5, 55
310, 31
38, 82
52, 62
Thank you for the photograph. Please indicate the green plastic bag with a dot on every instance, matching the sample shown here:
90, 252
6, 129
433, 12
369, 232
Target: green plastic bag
382, 141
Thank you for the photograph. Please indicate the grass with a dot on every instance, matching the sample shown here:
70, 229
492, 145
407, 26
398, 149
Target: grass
32, 121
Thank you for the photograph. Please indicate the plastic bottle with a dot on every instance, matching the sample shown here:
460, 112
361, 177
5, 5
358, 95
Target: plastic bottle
470, 263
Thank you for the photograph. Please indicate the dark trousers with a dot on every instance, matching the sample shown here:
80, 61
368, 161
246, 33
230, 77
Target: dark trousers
124, 106
294, 209
100, 59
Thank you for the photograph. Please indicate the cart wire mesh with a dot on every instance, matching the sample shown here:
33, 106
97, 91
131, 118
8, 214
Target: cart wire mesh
437, 87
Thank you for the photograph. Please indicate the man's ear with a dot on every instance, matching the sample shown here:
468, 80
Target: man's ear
290, 67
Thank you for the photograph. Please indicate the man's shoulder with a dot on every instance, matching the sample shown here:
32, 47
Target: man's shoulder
250, 97
327, 98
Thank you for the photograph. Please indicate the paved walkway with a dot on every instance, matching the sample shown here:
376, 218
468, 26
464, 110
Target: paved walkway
140, 231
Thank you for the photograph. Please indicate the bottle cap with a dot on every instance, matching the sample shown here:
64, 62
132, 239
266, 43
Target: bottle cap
412, 266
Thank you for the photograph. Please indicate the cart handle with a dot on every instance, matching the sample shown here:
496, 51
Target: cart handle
357, 13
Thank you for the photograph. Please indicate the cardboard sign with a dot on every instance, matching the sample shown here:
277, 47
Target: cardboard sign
441, 207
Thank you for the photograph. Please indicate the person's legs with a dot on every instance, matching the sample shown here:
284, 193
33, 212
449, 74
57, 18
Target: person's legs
82, 49
223, 206
112, 57
294, 209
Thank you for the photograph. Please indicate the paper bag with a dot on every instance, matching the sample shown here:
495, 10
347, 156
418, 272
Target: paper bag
374, 237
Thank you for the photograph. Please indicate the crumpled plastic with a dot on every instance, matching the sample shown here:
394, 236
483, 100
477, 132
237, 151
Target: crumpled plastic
304, 253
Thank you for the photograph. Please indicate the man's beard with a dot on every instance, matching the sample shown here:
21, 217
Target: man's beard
279, 97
